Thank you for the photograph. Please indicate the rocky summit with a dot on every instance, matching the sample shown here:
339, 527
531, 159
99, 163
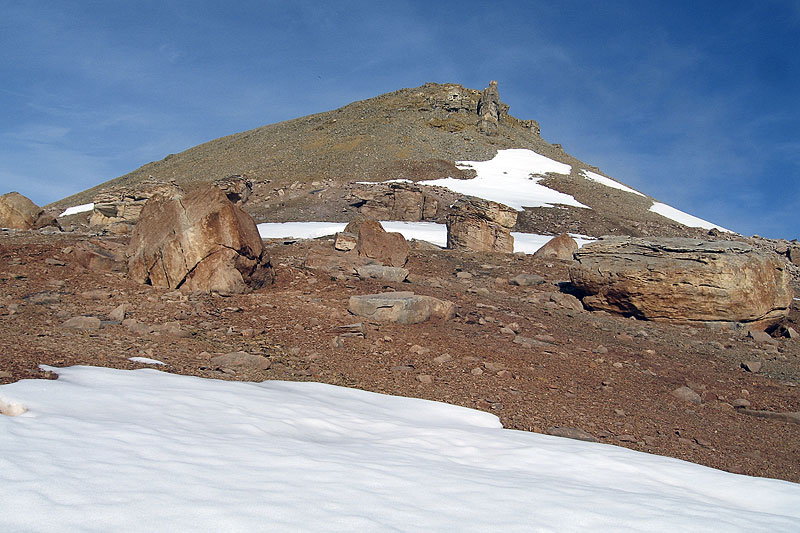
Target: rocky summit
664, 334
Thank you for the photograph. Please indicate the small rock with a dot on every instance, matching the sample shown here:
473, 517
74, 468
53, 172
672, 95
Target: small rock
740, 402
571, 433
463, 275
419, 350
626, 438
96, 294
492, 367
172, 329
445, 357
4, 374
619, 412
760, 336
83, 323
118, 314
476, 371
425, 379
526, 280
688, 395
600, 349
345, 241
752, 366
504, 374
241, 360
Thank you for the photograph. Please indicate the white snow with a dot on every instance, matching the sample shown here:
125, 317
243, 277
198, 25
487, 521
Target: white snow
608, 182
683, 218
299, 230
530, 242
146, 360
511, 178
74, 210
424, 231
101, 449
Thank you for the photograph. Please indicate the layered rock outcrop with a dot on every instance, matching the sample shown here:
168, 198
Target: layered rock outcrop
480, 225
490, 109
118, 209
397, 201
682, 279
200, 240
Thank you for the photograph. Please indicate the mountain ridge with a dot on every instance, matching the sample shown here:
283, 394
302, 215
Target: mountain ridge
415, 134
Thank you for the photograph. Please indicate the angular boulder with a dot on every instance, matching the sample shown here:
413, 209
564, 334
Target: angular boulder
100, 256
560, 247
402, 307
376, 243
18, 212
201, 240
480, 225
682, 279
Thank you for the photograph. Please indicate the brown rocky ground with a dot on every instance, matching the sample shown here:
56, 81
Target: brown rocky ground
607, 375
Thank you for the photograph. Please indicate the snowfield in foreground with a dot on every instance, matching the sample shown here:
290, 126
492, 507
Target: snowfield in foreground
117, 450
424, 231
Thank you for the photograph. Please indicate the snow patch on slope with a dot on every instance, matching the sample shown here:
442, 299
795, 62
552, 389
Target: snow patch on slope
118, 450
608, 182
511, 178
74, 210
684, 218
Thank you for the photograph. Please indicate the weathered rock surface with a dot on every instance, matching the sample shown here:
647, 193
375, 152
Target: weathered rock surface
383, 273
103, 256
345, 241
82, 323
17, 211
397, 201
241, 360
682, 279
403, 307
376, 243
489, 109
571, 433
118, 209
480, 225
237, 188
200, 240
560, 247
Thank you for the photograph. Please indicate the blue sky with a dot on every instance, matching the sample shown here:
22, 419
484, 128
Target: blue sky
694, 103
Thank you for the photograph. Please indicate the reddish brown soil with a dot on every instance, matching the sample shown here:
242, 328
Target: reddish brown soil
621, 396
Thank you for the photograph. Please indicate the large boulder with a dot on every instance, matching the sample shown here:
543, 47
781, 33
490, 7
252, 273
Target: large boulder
682, 279
480, 225
376, 243
402, 307
560, 247
200, 240
18, 212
